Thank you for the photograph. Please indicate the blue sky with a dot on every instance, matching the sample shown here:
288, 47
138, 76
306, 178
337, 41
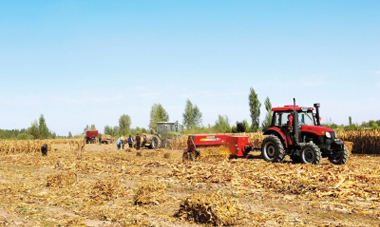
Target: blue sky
89, 62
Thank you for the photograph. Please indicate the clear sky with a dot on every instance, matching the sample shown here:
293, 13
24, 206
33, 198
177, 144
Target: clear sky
89, 62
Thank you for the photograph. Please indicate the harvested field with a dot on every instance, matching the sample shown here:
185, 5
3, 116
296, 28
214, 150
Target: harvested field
101, 186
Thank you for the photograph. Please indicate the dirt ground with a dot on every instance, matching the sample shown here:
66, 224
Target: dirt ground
101, 187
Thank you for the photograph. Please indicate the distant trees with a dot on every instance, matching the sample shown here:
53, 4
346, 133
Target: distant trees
70, 135
222, 124
112, 131
192, 117
242, 126
42, 128
124, 124
39, 129
157, 114
254, 108
268, 117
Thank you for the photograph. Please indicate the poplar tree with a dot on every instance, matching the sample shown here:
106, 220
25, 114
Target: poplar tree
192, 117
254, 108
157, 114
268, 117
42, 128
124, 124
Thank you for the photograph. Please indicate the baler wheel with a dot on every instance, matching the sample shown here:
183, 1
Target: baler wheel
310, 154
188, 156
272, 149
340, 157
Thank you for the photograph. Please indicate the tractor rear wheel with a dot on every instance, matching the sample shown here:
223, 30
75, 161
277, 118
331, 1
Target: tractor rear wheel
272, 149
155, 143
339, 158
310, 154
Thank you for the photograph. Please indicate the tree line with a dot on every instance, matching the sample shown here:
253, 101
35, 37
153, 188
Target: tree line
192, 122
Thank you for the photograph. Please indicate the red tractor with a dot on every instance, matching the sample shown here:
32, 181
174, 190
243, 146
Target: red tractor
91, 136
296, 131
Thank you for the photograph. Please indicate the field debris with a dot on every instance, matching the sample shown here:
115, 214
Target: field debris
150, 192
212, 208
118, 188
63, 179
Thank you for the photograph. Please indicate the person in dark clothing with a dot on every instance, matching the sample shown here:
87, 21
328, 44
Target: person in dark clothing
130, 141
44, 149
138, 141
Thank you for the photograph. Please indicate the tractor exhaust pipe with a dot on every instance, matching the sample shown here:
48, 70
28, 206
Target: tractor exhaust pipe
317, 105
295, 123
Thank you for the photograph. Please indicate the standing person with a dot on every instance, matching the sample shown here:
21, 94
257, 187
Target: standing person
122, 143
118, 143
138, 141
130, 141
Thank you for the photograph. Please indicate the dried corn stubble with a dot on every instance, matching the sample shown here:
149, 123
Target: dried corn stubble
213, 208
105, 190
152, 192
62, 179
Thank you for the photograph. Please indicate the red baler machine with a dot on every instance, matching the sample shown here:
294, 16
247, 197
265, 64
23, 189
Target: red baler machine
238, 146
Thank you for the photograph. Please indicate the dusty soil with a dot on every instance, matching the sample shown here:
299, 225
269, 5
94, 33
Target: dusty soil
97, 187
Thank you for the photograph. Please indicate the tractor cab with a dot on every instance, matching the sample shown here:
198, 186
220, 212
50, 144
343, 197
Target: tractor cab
296, 131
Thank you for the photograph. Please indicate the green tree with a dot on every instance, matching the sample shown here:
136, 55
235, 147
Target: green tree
34, 131
254, 108
86, 128
268, 117
246, 126
93, 127
70, 135
192, 117
157, 114
124, 124
350, 121
42, 128
116, 131
222, 124
108, 130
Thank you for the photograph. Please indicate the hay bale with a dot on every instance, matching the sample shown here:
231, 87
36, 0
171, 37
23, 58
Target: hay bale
61, 179
151, 192
213, 208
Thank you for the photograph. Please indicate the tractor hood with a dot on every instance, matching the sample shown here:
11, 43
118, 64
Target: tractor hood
318, 130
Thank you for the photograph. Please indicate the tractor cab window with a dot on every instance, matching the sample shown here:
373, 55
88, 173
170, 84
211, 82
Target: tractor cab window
276, 119
306, 118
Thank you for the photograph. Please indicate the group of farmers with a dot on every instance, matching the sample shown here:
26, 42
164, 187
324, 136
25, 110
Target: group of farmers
122, 141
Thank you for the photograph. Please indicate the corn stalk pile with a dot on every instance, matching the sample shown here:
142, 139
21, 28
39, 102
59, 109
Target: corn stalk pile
33, 146
364, 142
102, 186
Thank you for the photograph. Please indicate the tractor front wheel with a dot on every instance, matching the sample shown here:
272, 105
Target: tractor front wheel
155, 143
339, 158
310, 154
272, 149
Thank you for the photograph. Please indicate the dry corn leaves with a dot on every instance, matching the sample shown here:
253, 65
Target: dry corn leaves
150, 192
212, 208
105, 184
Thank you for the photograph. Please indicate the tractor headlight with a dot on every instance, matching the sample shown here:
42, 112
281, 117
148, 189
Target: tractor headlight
328, 135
